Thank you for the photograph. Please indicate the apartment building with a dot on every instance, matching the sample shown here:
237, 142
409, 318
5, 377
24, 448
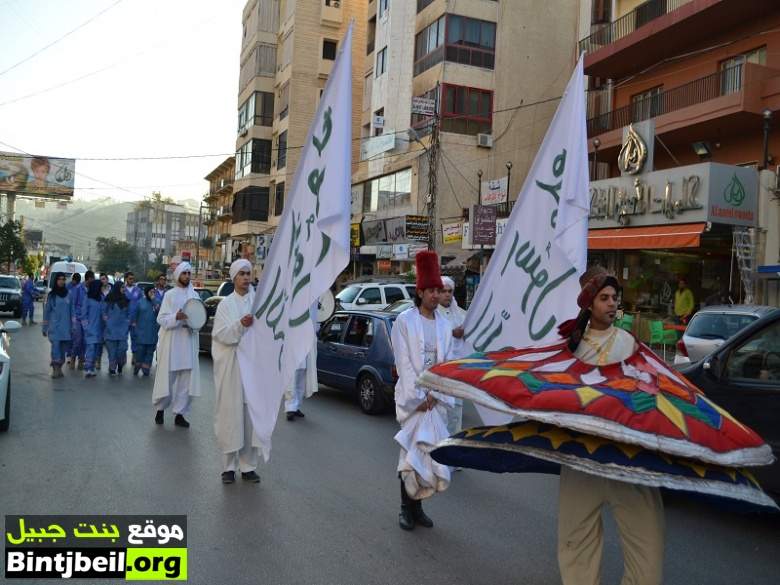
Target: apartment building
154, 227
218, 216
682, 124
288, 49
490, 73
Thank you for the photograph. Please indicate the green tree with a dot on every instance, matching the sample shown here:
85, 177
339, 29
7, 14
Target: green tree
32, 264
156, 268
116, 256
12, 247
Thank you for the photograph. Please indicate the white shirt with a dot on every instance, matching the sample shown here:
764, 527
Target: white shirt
429, 340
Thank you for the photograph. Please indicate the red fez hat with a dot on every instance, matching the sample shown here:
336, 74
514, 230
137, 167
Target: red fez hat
428, 271
592, 282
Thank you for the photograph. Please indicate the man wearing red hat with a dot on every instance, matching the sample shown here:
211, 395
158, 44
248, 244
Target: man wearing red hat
637, 509
420, 340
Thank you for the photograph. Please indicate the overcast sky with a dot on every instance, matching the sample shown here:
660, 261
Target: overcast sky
168, 88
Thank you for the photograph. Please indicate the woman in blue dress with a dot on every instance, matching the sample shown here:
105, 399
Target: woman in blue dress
57, 315
145, 330
116, 316
92, 321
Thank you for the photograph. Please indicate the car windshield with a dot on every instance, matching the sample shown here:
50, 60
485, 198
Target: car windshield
717, 325
348, 294
398, 306
9, 282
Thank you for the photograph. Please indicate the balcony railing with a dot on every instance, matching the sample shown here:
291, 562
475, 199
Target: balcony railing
628, 23
724, 82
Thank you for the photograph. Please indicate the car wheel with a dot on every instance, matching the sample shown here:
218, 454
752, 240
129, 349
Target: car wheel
7, 417
370, 394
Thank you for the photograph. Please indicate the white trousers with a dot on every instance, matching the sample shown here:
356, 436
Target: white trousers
178, 394
298, 391
245, 459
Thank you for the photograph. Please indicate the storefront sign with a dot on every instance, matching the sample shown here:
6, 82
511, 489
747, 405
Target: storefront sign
415, 248
484, 233
703, 192
494, 192
383, 265
423, 106
354, 232
374, 231
451, 233
401, 252
384, 252
416, 228
468, 245
395, 230
357, 199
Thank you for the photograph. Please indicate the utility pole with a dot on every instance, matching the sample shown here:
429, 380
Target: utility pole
433, 156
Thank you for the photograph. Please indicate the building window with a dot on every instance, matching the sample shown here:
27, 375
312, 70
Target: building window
282, 145
383, 6
279, 199
329, 49
371, 36
284, 100
381, 62
390, 192
254, 156
646, 105
379, 127
471, 41
466, 110
731, 69
422, 4
257, 110
429, 46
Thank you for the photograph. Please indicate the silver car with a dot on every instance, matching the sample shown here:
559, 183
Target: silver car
710, 327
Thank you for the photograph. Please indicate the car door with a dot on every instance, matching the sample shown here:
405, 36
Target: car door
357, 342
369, 299
330, 369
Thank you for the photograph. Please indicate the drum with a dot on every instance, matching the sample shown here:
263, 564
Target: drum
326, 306
196, 313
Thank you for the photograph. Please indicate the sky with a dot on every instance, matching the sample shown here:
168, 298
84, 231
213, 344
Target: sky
146, 78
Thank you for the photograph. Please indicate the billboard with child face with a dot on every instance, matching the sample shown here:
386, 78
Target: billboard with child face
40, 176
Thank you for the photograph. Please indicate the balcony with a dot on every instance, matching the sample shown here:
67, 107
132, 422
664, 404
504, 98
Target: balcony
725, 103
658, 29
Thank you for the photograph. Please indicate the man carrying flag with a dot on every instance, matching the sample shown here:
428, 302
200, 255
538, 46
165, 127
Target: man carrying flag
310, 249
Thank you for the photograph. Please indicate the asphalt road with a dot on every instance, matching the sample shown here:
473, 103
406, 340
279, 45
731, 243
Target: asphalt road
326, 510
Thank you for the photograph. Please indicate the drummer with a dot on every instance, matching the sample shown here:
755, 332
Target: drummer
177, 378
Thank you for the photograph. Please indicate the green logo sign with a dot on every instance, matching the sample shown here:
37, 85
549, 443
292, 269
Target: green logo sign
734, 193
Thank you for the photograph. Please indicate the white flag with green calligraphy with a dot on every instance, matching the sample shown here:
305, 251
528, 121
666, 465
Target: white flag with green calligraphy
310, 249
532, 282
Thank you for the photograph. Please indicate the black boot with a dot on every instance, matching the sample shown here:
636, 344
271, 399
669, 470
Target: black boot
421, 517
406, 517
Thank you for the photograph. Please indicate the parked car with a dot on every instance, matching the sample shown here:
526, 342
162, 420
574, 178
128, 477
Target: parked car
225, 288
204, 335
5, 373
204, 293
743, 376
710, 327
354, 354
373, 296
399, 306
40, 287
11, 294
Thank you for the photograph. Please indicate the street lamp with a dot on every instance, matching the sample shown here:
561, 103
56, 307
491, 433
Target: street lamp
479, 187
508, 182
767, 115
596, 144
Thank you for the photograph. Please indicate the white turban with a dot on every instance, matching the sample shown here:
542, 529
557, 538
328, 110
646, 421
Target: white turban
183, 267
448, 282
238, 266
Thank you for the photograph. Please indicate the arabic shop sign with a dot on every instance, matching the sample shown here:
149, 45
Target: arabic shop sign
409, 228
703, 192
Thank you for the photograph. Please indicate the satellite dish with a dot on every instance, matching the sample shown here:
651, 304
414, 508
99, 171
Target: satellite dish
326, 306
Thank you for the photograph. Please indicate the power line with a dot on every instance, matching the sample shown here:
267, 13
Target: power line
57, 40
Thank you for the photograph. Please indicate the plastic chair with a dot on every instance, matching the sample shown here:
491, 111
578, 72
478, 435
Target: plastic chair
659, 335
626, 323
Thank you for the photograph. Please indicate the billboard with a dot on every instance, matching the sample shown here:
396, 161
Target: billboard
41, 176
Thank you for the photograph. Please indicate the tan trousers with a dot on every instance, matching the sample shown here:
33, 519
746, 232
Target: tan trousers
639, 514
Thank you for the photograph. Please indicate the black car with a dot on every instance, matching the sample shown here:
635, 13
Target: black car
354, 353
11, 295
204, 335
743, 376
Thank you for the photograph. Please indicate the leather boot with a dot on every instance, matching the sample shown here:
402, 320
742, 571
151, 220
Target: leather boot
421, 517
406, 517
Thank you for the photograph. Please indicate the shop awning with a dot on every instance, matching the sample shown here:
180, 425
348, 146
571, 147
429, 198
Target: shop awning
683, 235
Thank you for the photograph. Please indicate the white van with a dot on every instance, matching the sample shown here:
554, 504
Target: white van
68, 268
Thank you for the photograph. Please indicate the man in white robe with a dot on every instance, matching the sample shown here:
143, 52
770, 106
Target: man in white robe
177, 378
420, 340
449, 309
232, 424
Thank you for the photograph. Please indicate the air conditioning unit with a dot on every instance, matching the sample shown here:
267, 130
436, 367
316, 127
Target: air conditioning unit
485, 140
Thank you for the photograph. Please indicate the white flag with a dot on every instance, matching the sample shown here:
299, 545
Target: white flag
309, 250
532, 282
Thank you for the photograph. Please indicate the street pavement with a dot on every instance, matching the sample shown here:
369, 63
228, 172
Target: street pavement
326, 511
